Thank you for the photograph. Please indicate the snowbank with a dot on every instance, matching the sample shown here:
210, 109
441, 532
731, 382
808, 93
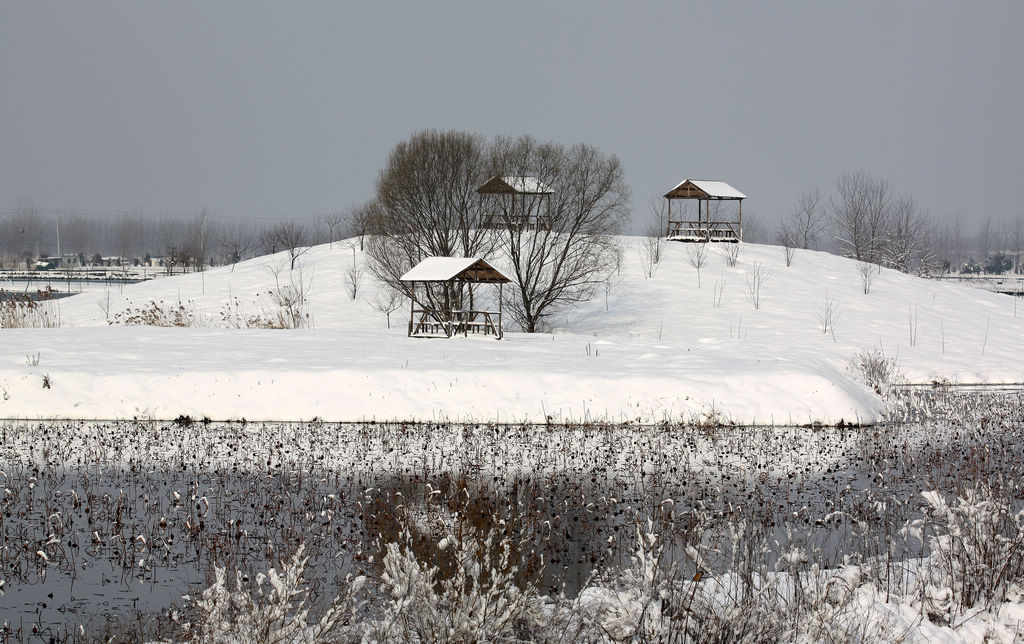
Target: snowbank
655, 349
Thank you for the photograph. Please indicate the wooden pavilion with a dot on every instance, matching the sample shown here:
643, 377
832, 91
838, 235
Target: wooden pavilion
704, 229
520, 203
443, 304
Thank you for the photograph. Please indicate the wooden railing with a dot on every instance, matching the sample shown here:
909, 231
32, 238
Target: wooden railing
727, 231
485, 322
518, 222
433, 322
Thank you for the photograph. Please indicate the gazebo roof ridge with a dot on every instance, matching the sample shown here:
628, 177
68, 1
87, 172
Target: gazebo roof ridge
704, 189
520, 185
446, 269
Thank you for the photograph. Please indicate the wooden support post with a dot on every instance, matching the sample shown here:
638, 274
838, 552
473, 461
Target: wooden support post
739, 233
501, 331
448, 309
412, 308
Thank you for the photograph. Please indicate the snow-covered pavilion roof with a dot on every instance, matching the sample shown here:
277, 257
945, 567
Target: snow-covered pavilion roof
516, 185
446, 269
700, 189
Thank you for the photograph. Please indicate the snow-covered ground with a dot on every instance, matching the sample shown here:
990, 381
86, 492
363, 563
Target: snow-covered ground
650, 350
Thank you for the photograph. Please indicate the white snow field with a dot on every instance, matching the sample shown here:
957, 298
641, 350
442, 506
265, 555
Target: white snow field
649, 350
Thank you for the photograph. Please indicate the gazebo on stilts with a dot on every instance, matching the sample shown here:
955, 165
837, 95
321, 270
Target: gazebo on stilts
516, 203
704, 229
443, 303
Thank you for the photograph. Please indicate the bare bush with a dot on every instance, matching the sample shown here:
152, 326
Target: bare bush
353, 280
719, 289
786, 238
827, 315
867, 271
23, 311
653, 242
732, 254
697, 255
757, 275
289, 301
650, 254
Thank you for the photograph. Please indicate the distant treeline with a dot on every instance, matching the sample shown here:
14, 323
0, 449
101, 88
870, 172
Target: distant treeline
28, 236
861, 217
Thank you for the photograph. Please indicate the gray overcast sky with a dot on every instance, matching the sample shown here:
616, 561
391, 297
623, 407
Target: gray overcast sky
278, 108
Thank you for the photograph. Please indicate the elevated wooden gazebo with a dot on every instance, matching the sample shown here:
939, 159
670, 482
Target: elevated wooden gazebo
517, 203
704, 229
445, 300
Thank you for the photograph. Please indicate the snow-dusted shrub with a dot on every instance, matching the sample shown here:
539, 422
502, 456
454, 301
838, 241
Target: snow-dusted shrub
286, 312
183, 314
273, 608
878, 370
646, 601
977, 550
479, 602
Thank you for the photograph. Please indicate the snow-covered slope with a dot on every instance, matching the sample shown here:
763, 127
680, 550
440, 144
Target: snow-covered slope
650, 350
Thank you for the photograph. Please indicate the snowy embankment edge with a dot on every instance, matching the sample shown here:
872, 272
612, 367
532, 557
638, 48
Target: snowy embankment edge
160, 374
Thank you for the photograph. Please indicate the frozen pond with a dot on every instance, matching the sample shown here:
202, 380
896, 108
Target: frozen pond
107, 523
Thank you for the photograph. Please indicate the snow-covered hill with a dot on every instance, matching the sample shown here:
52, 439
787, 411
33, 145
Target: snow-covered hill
649, 350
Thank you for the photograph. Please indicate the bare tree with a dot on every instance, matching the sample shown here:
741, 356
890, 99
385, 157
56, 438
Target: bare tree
787, 239
949, 243
354, 280
573, 252
807, 219
1018, 233
985, 237
290, 236
364, 219
24, 228
199, 232
128, 235
387, 300
649, 249
332, 222
235, 243
428, 206
908, 248
860, 215
697, 255
651, 245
